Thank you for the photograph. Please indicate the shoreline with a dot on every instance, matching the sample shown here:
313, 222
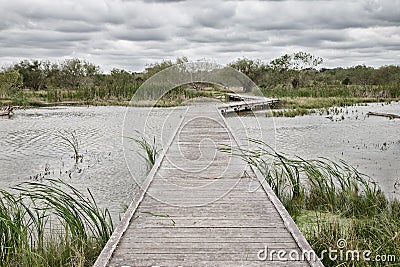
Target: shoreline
284, 102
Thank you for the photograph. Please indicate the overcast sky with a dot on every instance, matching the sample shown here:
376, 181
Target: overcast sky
130, 34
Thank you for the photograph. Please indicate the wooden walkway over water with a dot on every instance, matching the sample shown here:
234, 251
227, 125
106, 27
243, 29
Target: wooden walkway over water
203, 207
246, 103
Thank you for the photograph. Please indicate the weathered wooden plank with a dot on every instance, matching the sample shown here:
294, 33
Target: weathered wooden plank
159, 187
204, 213
217, 205
196, 235
183, 247
240, 184
201, 263
224, 197
160, 244
256, 205
212, 232
205, 224
215, 255
275, 238
251, 221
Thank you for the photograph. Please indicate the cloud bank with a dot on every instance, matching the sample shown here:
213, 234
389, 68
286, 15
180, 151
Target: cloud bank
130, 34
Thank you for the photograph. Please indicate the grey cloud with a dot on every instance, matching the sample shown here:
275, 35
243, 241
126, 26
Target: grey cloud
130, 34
224, 36
163, 1
78, 27
214, 16
139, 34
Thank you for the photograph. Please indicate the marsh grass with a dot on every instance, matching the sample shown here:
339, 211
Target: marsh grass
51, 224
149, 148
317, 184
330, 201
378, 234
70, 140
290, 112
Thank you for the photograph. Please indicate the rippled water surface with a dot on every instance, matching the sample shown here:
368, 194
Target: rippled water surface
29, 143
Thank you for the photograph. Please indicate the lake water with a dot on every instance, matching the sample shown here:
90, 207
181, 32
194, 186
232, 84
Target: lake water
372, 144
30, 143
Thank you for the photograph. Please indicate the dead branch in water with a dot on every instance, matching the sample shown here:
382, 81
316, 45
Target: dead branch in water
388, 115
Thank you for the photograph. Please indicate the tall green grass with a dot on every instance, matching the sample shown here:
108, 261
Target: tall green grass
318, 184
378, 234
51, 224
149, 148
330, 201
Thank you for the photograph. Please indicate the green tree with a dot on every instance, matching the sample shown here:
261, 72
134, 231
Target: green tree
294, 68
71, 72
121, 83
75, 73
152, 69
254, 69
32, 73
361, 75
10, 84
281, 69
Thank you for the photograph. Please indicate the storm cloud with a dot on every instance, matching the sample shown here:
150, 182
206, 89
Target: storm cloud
130, 34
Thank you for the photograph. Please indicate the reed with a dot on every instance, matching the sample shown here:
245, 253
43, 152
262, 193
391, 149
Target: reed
316, 184
149, 148
70, 140
51, 224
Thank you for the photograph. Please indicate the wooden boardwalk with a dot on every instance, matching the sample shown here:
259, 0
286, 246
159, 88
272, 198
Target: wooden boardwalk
202, 207
246, 103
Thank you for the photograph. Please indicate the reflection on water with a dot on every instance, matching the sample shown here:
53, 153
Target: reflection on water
29, 144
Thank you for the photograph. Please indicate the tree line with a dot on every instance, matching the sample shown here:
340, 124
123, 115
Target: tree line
299, 70
81, 80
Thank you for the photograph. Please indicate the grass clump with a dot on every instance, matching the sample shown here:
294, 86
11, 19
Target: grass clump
149, 148
70, 140
318, 184
331, 201
290, 112
51, 224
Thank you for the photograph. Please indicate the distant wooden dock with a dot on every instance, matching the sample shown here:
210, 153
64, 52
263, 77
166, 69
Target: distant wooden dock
203, 207
246, 103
